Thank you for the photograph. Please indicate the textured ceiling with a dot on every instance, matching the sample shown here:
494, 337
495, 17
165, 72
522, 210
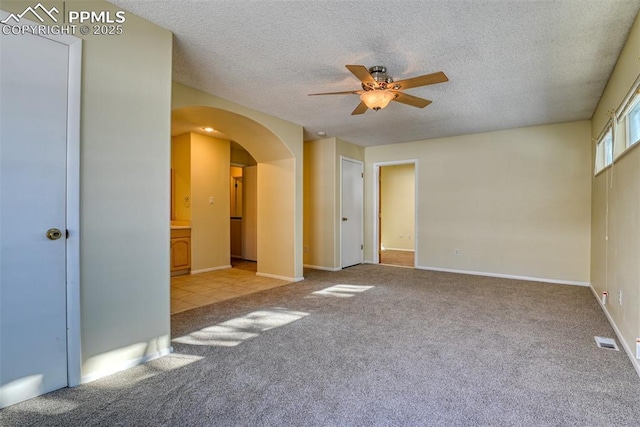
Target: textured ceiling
510, 63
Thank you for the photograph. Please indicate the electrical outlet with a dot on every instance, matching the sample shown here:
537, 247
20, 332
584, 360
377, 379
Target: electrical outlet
306, 249
211, 200
620, 297
457, 252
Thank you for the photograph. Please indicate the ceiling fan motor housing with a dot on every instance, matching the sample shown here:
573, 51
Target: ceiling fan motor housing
379, 74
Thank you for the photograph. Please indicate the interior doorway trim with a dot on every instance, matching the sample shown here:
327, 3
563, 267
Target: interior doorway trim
74, 351
376, 205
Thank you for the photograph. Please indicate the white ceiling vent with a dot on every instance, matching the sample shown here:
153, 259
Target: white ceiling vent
608, 343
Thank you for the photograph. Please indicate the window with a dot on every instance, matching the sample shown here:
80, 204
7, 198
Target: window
633, 123
608, 147
604, 150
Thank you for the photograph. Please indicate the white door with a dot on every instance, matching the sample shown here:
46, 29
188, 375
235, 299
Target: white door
352, 217
33, 155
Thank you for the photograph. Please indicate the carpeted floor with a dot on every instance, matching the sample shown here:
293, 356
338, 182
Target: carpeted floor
371, 345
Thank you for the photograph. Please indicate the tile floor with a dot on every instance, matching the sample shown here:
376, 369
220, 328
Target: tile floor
191, 291
397, 258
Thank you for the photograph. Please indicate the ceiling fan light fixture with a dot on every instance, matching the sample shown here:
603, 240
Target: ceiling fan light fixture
377, 99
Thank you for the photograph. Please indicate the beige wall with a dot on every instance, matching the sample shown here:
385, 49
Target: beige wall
322, 202
124, 182
398, 206
624, 74
210, 231
250, 213
181, 166
277, 147
614, 262
514, 202
125, 163
347, 149
276, 185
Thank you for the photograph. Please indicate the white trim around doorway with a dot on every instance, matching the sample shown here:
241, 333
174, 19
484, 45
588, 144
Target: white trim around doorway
74, 351
376, 205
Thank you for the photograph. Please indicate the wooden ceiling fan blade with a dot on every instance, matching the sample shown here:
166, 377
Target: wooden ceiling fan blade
360, 109
427, 79
414, 101
361, 72
347, 92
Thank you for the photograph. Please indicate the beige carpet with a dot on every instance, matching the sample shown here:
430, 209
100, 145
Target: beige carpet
370, 345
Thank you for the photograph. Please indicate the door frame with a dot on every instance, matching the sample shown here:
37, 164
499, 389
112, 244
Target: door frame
339, 219
74, 89
74, 349
376, 206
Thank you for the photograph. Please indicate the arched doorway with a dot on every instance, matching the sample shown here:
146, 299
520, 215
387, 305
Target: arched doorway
279, 209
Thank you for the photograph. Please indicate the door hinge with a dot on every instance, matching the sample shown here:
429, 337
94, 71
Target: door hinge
361, 174
67, 234
361, 247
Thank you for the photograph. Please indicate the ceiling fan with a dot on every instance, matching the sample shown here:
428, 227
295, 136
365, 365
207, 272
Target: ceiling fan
378, 89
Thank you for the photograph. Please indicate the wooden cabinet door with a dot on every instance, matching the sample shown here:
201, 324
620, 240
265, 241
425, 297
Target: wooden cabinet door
180, 253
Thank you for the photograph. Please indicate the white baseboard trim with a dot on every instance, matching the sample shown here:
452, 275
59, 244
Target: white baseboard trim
368, 261
634, 361
317, 267
398, 249
125, 365
206, 270
397, 266
275, 276
505, 276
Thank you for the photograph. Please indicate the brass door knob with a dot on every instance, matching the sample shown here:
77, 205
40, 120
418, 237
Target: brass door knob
54, 234
344, 218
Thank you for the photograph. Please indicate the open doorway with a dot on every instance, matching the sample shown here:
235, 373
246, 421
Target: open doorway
215, 191
244, 206
396, 214
279, 184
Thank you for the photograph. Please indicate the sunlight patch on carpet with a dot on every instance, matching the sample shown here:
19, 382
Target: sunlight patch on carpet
147, 370
48, 406
233, 332
342, 291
